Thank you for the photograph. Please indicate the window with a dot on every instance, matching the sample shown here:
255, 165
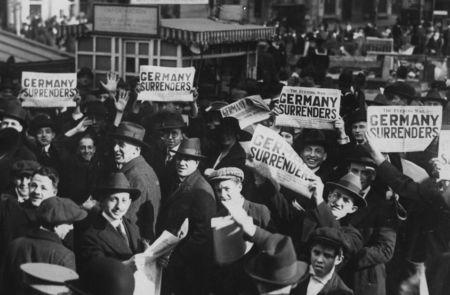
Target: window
382, 6
330, 7
35, 9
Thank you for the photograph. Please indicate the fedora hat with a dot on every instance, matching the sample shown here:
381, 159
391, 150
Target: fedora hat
15, 111
168, 120
435, 95
350, 183
40, 121
277, 264
232, 124
190, 147
115, 183
130, 132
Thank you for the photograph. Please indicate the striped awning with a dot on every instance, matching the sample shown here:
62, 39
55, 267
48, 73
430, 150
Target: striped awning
209, 32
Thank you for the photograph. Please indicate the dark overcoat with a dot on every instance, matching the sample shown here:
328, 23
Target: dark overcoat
335, 286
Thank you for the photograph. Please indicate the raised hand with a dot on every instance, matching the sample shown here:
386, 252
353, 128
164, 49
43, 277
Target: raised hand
373, 149
112, 79
122, 99
241, 217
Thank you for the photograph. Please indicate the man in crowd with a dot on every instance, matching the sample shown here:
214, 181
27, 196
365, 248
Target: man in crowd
44, 244
128, 142
191, 197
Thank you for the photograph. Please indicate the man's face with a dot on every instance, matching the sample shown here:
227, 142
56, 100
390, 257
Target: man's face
366, 174
44, 136
171, 137
341, 203
21, 184
323, 259
185, 166
431, 103
116, 205
313, 155
125, 152
358, 131
228, 190
86, 149
41, 188
227, 138
288, 137
11, 123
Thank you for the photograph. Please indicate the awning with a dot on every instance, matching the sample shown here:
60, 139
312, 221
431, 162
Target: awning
209, 32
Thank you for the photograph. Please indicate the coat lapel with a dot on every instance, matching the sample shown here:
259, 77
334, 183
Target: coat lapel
113, 239
184, 186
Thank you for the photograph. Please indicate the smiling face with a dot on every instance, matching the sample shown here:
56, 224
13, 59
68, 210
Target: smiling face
124, 152
116, 205
86, 148
313, 155
45, 136
323, 259
185, 166
41, 188
22, 186
340, 203
358, 131
171, 137
228, 190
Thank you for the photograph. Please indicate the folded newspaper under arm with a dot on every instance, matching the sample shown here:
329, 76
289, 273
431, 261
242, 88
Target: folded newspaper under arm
166, 242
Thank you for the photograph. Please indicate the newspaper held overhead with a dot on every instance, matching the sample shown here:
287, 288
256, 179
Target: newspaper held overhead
248, 111
48, 90
166, 84
274, 158
398, 129
148, 279
307, 107
444, 154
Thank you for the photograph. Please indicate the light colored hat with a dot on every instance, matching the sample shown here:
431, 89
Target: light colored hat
225, 173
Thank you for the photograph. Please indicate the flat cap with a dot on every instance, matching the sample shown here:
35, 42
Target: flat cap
56, 211
226, 173
24, 167
330, 236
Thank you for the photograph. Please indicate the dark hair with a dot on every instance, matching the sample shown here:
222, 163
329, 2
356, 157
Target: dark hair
86, 135
50, 173
402, 72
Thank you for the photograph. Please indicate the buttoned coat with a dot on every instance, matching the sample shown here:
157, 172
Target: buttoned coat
143, 211
188, 269
101, 239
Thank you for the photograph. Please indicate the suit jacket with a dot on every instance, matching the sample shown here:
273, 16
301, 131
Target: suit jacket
37, 246
143, 211
377, 224
335, 286
234, 158
189, 264
101, 239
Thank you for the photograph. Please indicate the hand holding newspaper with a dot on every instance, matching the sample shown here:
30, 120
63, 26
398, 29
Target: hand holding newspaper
148, 274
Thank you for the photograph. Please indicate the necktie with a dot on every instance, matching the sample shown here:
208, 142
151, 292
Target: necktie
121, 229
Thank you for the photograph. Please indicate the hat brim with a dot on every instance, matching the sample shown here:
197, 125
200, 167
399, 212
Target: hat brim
364, 161
176, 126
130, 140
358, 199
300, 270
200, 157
440, 100
101, 192
328, 241
21, 120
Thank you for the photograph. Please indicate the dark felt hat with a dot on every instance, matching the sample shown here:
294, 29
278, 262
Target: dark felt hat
130, 132
24, 167
56, 211
401, 89
277, 263
379, 100
168, 120
232, 124
435, 95
104, 275
40, 121
15, 111
9, 142
116, 182
350, 183
190, 147
310, 137
359, 115
329, 236
361, 156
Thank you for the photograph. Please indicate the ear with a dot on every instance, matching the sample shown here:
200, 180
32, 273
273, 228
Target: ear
354, 208
339, 258
325, 156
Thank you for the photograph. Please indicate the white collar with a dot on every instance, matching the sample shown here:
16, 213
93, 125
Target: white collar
365, 192
114, 222
315, 169
322, 280
173, 150
46, 148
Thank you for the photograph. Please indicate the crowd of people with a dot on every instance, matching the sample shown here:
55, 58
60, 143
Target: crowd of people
90, 187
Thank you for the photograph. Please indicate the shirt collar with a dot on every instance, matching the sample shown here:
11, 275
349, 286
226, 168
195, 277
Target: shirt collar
46, 148
365, 192
114, 222
315, 169
322, 280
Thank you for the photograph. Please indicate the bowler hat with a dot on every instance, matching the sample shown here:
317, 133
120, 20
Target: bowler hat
115, 183
401, 89
359, 115
435, 95
232, 124
350, 183
24, 167
225, 173
329, 236
15, 111
40, 121
168, 120
277, 263
56, 211
311, 137
380, 100
190, 147
130, 132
